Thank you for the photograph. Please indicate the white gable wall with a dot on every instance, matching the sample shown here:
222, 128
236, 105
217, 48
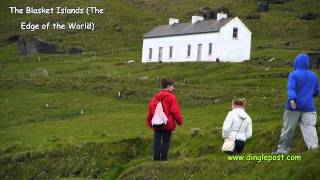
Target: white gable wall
224, 46
235, 50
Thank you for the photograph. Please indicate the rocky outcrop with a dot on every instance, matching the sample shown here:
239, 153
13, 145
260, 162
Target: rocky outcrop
13, 38
35, 45
209, 13
22, 46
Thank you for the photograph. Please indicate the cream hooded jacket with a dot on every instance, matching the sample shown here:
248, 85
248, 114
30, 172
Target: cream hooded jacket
232, 124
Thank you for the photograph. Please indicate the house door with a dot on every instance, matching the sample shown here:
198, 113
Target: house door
199, 52
160, 54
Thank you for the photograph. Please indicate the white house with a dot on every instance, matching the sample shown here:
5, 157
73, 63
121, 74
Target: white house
225, 39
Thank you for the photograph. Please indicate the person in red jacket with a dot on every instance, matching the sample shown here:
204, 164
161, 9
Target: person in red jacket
171, 109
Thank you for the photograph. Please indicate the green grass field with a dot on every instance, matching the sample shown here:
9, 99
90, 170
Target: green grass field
69, 123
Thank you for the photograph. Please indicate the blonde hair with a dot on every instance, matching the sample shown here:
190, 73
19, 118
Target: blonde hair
239, 101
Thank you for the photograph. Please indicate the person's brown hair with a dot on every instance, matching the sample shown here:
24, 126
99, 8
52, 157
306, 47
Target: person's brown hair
239, 101
166, 82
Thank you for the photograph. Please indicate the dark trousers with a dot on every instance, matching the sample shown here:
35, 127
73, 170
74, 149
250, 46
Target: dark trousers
161, 144
238, 148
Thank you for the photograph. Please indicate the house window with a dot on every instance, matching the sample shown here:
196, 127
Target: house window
150, 53
210, 49
235, 33
170, 52
189, 50
160, 54
199, 55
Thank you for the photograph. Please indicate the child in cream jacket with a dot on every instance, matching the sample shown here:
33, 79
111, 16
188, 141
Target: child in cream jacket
237, 125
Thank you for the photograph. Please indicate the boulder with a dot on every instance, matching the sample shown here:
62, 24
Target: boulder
223, 9
35, 45
14, 38
76, 50
262, 6
307, 16
207, 13
253, 16
22, 46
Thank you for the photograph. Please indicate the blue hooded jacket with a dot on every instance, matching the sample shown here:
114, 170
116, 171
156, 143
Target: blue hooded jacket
303, 85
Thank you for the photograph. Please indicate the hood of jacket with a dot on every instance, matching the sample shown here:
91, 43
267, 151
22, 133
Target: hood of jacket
162, 94
241, 113
301, 62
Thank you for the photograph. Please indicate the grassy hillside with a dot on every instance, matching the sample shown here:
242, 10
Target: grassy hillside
122, 26
70, 122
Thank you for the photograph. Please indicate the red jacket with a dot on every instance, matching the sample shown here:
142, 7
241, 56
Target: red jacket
170, 108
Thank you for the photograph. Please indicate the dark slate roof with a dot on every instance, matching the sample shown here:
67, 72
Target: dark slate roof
187, 28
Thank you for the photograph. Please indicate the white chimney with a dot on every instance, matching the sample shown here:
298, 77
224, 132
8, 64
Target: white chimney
173, 21
196, 19
221, 16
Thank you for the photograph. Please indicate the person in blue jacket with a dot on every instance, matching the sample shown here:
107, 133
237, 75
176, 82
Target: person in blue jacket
303, 86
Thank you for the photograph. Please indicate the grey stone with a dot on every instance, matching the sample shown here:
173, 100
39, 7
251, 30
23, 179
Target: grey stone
262, 6
14, 38
253, 16
22, 46
35, 45
207, 13
76, 50
307, 16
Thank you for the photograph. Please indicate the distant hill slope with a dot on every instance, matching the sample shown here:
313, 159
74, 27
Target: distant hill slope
83, 116
125, 22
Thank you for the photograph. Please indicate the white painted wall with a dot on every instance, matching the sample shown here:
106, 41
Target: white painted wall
224, 46
235, 50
